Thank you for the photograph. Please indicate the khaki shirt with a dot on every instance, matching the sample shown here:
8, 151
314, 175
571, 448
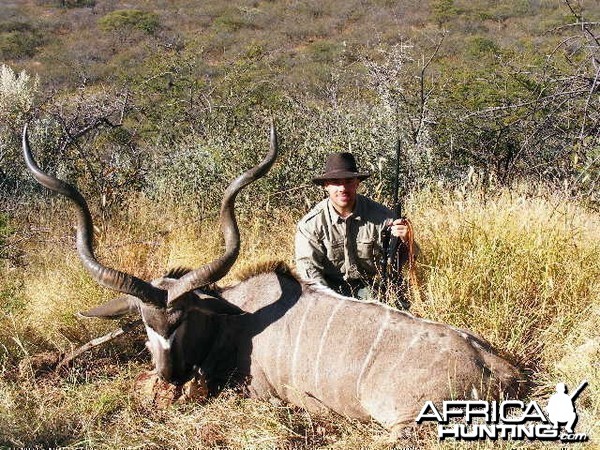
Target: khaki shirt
333, 251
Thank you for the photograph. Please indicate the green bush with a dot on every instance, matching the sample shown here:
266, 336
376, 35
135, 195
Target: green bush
76, 3
19, 40
324, 51
480, 45
443, 11
130, 19
234, 19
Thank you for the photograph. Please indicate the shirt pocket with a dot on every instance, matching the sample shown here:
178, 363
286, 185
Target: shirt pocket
365, 251
336, 253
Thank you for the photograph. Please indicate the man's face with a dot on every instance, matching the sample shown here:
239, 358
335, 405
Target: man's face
342, 192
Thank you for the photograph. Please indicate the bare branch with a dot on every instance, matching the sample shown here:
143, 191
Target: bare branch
128, 327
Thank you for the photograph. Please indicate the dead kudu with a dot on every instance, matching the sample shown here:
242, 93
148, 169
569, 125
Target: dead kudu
276, 336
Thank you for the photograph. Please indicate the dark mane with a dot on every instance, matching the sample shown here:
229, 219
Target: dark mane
268, 266
244, 273
177, 272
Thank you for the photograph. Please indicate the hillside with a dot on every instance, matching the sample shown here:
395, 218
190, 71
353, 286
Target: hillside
67, 42
505, 90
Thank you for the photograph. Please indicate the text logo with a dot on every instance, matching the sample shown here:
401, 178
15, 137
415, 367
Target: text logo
510, 419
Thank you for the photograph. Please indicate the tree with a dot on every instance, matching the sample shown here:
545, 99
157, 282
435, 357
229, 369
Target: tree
443, 11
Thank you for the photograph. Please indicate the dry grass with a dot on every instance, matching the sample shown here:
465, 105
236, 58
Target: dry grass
524, 272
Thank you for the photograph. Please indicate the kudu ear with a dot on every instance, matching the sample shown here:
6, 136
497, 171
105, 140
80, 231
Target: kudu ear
113, 309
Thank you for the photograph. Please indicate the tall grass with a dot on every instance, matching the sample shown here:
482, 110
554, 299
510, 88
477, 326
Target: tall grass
522, 271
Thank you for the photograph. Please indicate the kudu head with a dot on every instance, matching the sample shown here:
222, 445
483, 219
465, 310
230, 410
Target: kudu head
177, 313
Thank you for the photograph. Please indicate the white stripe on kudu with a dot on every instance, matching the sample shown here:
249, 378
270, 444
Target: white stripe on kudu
322, 345
156, 340
298, 343
372, 350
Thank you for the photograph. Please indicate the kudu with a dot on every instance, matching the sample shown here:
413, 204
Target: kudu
277, 336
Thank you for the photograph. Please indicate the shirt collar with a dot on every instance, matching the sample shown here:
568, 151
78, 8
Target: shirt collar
356, 214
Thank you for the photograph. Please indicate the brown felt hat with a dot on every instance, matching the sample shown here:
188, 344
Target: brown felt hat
340, 165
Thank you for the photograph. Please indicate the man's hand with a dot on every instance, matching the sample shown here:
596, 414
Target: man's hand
400, 229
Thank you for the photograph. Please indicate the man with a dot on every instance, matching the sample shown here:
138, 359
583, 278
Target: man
339, 242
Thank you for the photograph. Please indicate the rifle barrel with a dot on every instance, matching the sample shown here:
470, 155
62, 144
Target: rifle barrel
397, 203
580, 388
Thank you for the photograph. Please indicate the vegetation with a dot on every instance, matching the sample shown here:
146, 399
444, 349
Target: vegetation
521, 271
127, 20
507, 90
152, 109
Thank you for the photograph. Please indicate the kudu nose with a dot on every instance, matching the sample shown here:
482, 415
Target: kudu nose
173, 371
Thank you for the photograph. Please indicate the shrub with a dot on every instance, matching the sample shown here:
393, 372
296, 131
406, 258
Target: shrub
443, 11
479, 45
324, 51
17, 93
233, 19
130, 19
18, 40
77, 3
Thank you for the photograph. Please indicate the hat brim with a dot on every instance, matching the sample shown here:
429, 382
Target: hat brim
320, 180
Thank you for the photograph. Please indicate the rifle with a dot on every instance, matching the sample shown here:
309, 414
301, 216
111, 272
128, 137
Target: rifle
401, 248
580, 388
389, 259
392, 258
397, 202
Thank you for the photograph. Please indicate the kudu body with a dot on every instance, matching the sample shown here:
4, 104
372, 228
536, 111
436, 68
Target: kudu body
275, 335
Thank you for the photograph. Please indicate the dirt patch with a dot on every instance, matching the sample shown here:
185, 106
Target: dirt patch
39, 365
